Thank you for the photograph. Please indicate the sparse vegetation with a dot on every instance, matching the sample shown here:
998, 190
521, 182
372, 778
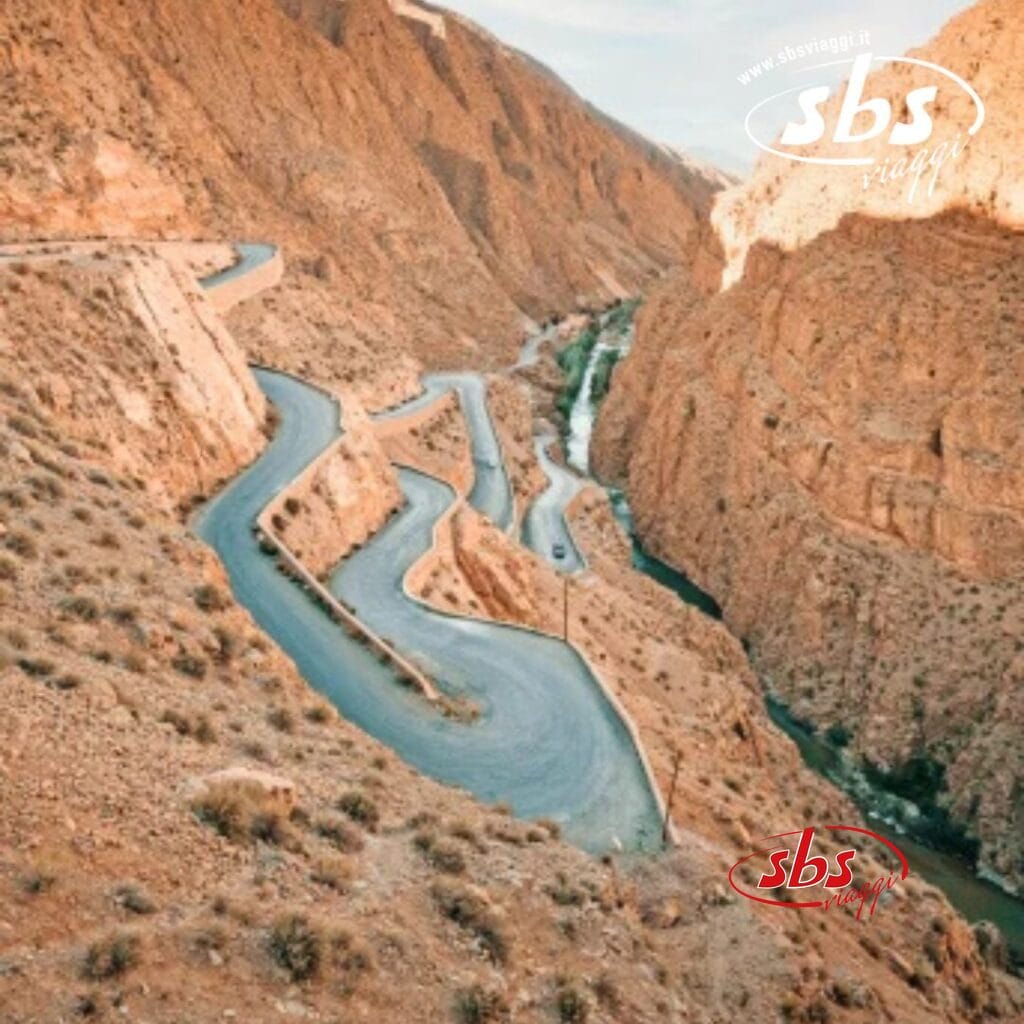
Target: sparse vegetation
281, 719
189, 664
133, 898
36, 881
111, 957
22, 545
333, 871
198, 727
601, 381
573, 361
231, 811
296, 946
318, 713
572, 1005
39, 668
564, 893
209, 598
359, 807
469, 911
440, 853
340, 833
81, 607
479, 1005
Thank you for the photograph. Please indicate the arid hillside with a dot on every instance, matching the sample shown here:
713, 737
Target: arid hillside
833, 447
189, 832
440, 186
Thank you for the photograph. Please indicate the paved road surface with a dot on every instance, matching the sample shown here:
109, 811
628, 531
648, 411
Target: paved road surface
491, 493
544, 524
547, 742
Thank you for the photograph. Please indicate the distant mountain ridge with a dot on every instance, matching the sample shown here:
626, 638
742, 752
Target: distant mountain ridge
504, 194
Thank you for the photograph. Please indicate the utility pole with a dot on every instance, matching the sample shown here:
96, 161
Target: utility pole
671, 796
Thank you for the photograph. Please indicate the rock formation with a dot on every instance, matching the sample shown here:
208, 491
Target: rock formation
445, 185
833, 445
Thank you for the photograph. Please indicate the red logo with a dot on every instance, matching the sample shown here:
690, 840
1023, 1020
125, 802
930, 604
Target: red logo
814, 879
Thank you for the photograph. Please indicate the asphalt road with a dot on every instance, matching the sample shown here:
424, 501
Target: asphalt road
547, 742
250, 256
545, 525
530, 352
491, 493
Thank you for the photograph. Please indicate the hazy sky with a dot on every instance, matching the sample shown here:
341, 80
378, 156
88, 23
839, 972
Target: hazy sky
669, 67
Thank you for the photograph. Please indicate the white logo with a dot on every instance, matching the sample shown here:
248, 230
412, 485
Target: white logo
914, 125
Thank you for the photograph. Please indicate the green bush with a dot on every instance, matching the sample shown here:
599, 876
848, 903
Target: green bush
573, 361
601, 382
838, 735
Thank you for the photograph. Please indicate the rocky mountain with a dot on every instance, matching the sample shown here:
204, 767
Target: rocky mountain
832, 446
446, 185
190, 832
187, 830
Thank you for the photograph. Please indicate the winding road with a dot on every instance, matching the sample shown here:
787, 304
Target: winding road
547, 742
250, 256
491, 493
544, 524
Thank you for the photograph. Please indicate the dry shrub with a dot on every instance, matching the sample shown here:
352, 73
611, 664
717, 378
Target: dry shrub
296, 946
334, 871
470, 911
111, 956
238, 811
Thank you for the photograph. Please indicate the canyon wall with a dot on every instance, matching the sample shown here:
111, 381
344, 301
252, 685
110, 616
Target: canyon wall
341, 500
505, 196
144, 373
833, 447
984, 173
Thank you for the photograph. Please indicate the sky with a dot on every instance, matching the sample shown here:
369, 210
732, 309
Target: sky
669, 68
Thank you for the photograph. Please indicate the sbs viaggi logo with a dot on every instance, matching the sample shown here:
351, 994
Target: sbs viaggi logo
786, 873
930, 128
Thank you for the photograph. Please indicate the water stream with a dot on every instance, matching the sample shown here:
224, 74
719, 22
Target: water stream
975, 898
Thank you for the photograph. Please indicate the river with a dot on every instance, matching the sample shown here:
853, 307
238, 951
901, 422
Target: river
975, 898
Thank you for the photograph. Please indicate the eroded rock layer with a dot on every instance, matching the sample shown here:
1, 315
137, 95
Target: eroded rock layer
833, 448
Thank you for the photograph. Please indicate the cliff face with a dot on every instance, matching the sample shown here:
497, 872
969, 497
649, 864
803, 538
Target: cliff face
833, 448
342, 499
503, 193
144, 372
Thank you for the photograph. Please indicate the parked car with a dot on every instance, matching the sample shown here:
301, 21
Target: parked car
558, 550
